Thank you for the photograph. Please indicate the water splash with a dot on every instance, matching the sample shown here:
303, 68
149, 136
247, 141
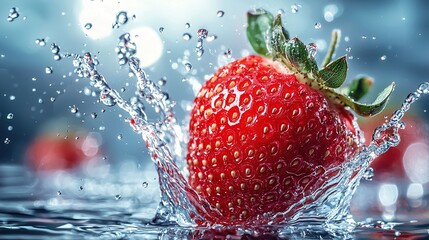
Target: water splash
166, 141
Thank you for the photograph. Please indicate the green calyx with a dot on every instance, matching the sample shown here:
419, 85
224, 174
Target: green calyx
268, 37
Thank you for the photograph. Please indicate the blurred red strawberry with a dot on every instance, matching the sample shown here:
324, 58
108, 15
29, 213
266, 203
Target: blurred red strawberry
390, 164
51, 153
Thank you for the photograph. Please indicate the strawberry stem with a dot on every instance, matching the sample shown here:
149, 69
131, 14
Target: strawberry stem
336, 33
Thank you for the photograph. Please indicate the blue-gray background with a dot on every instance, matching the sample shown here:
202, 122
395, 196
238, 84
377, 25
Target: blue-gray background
395, 30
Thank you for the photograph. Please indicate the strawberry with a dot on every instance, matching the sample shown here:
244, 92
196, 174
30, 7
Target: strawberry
266, 131
49, 153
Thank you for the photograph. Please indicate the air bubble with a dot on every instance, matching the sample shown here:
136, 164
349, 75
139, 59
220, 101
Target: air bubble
220, 13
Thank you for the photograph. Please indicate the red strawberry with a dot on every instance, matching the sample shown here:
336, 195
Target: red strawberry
263, 133
50, 153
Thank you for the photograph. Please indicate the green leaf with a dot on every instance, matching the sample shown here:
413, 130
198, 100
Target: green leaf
259, 24
296, 53
369, 109
335, 73
358, 88
278, 38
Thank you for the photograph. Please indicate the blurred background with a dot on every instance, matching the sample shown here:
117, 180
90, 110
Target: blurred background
42, 99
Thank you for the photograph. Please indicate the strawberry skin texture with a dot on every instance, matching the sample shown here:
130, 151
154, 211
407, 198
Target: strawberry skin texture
260, 140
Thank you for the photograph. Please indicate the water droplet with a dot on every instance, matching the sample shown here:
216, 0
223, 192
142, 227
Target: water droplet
81, 188
88, 26
348, 49
73, 109
294, 8
318, 25
383, 57
220, 13
40, 100
118, 197
106, 99
423, 88
119, 136
122, 17
10, 128
397, 233
211, 38
55, 49
145, 184
162, 81
41, 42
174, 66
59, 193
202, 33
187, 25
57, 57
13, 14
312, 49
187, 36
364, 37
9, 116
12, 97
188, 67
53, 99
6, 141
161, 29
94, 115
368, 174
48, 70
228, 53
